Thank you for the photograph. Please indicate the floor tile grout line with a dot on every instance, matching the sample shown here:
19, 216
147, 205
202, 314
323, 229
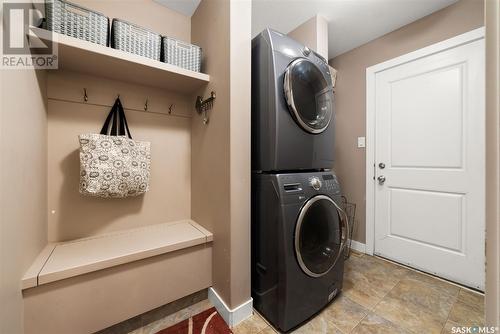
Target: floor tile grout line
448, 316
262, 330
441, 279
373, 307
379, 315
352, 330
403, 327
451, 309
430, 285
359, 321
457, 301
341, 331
400, 279
264, 319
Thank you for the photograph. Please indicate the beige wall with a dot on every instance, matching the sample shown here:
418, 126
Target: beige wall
210, 144
314, 34
241, 23
220, 174
350, 102
492, 10
23, 184
71, 215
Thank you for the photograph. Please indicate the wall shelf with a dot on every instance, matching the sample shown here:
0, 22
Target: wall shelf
77, 257
94, 59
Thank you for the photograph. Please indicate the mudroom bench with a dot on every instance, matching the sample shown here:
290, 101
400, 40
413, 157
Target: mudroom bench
85, 285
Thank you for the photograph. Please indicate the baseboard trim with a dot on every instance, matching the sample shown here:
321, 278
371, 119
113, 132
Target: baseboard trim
358, 246
231, 316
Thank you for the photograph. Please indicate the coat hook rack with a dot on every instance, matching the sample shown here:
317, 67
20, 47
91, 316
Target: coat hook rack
203, 106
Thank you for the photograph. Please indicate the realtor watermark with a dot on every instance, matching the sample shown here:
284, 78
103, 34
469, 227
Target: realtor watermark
25, 47
474, 330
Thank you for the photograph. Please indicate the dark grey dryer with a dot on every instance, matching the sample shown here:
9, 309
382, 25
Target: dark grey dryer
299, 233
292, 106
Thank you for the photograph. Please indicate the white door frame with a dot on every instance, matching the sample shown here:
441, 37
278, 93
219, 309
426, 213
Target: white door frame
371, 72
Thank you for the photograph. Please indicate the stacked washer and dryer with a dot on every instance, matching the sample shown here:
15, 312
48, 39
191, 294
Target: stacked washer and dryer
299, 230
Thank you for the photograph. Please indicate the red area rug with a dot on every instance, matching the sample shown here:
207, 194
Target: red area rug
206, 322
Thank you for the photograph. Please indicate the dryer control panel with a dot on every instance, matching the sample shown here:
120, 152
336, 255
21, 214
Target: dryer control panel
331, 183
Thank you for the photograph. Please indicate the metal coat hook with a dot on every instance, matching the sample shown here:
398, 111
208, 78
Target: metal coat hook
146, 105
203, 106
85, 96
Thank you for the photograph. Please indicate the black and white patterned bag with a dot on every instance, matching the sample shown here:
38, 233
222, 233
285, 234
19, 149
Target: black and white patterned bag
112, 165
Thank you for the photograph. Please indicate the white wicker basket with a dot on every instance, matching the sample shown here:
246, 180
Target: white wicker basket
181, 54
73, 20
132, 38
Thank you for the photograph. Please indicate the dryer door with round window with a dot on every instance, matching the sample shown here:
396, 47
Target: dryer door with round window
309, 95
320, 235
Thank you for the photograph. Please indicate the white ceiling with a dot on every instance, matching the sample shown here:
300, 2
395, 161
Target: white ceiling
351, 23
186, 7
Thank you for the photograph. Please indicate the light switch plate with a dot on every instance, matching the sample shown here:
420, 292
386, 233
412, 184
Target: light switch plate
361, 142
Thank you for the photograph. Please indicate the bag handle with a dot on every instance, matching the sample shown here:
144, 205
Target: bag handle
119, 126
123, 121
104, 130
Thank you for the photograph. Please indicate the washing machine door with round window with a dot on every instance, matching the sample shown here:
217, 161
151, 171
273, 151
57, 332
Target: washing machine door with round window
309, 95
321, 234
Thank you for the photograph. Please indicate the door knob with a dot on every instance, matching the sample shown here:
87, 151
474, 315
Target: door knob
381, 165
381, 179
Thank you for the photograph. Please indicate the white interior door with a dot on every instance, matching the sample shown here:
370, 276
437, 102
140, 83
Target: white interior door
429, 134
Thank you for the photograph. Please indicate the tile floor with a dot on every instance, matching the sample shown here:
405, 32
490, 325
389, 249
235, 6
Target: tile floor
378, 297
382, 297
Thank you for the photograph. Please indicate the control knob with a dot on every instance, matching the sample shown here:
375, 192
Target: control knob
315, 183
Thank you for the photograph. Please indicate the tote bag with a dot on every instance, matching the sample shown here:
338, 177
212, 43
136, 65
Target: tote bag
112, 164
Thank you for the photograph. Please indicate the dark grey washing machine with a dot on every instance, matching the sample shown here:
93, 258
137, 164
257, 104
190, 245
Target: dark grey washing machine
292, 106
299, 233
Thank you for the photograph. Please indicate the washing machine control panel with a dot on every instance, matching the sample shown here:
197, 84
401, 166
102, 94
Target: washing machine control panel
330, 182
315, 182
301, 185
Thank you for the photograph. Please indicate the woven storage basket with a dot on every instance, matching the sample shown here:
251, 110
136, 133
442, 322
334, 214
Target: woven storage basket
76, 21
132, 38
181, 54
